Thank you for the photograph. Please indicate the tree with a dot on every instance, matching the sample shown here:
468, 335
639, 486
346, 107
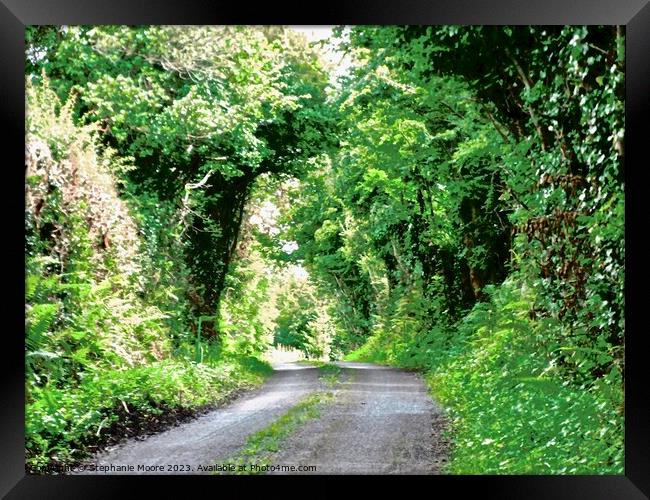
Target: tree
202, 110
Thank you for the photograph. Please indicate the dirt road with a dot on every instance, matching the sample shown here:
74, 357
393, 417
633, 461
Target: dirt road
381, 421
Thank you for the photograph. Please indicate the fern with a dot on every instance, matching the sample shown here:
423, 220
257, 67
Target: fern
40, 318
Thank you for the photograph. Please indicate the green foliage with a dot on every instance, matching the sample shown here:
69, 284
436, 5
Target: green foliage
201, 110
512, 411
499, 373
107, 315
245, 322
302, 322
84, 292
332, 258
61, 423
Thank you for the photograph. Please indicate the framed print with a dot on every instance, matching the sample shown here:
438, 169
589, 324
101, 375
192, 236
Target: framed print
380, 239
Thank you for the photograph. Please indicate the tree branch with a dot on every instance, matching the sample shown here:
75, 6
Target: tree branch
527, 83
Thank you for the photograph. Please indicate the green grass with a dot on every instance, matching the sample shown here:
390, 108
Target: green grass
330, 373
373, 351
63, 424
310, 362
262, 446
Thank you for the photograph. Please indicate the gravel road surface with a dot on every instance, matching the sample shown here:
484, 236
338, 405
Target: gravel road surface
381, 421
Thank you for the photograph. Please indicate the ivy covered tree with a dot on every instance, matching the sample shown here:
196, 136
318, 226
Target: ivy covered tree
554, 98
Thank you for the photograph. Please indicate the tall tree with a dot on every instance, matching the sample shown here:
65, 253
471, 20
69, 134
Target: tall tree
202, 110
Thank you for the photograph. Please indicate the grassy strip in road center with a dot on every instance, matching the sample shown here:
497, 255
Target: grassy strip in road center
261, 446
330, 373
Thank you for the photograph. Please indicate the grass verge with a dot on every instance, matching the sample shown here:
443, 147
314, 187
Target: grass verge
65, 425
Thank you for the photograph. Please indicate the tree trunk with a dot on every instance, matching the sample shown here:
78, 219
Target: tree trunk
214, 240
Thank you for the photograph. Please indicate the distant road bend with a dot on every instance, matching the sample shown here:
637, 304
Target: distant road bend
381, 421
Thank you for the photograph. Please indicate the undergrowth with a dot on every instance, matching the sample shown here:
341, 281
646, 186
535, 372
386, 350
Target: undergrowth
514, 409
64, 424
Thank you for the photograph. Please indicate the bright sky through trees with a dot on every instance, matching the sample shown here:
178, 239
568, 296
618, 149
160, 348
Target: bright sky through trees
338, 62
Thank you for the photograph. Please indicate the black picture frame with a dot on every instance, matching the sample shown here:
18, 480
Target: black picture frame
634, 14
